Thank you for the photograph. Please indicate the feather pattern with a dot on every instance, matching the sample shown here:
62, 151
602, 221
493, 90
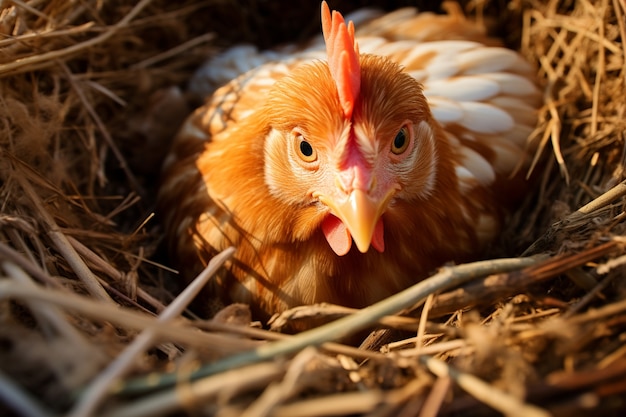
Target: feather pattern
430, 147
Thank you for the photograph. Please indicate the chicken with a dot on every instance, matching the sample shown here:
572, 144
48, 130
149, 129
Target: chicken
346, 171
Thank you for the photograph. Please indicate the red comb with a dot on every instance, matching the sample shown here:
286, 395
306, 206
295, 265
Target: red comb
343, 57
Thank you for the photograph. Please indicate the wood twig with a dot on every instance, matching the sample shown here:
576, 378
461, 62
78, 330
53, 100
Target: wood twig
39, 61
62, 244
446, 278
96, 392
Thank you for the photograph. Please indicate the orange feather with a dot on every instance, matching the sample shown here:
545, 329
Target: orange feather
437, 129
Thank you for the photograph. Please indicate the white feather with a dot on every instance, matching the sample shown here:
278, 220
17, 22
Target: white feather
400, 52
482, 60
445, 111
484, 118
478, 166
438, 57
463, 88
466, 180
512, 84
370, 44
521, 111
419, 74
445, 50
440, 69
383, 23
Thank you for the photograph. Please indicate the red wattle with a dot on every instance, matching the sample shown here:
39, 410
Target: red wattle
337, 235
378, 239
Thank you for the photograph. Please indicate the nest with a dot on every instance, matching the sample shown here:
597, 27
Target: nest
91, 326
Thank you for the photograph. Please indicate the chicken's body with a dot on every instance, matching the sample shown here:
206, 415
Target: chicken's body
437, 166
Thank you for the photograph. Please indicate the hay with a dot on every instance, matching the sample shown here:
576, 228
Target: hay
88, 104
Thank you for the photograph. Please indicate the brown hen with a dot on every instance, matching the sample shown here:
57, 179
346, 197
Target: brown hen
410, 145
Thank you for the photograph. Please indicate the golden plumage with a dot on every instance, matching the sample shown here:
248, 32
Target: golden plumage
270, 163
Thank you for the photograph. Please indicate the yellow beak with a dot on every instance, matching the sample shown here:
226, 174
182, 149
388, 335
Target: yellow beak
360, 214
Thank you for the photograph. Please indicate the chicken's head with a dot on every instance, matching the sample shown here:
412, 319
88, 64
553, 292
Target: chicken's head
350, 150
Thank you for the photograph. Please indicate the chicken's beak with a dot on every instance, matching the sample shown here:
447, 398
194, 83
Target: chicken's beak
361, 215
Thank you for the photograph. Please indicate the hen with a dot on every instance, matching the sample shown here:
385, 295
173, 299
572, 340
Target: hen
407, 138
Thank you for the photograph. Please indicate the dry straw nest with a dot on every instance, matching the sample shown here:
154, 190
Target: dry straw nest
86, 109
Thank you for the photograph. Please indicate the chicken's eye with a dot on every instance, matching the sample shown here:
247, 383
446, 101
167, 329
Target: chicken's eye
401, 141
305, 150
